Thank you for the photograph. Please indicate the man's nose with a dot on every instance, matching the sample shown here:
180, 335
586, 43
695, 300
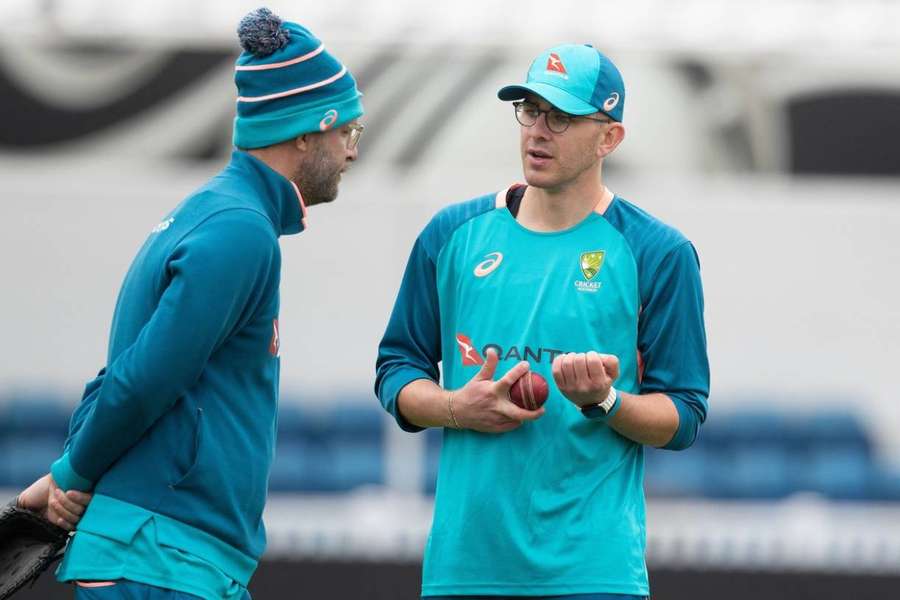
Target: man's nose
540, 127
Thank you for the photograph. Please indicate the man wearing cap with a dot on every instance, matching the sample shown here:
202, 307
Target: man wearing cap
176, 434
562, 277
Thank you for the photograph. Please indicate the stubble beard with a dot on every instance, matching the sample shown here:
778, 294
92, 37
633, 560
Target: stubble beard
566, 173
318, 178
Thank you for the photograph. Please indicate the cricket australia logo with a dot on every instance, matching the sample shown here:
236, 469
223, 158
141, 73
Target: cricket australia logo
591, 263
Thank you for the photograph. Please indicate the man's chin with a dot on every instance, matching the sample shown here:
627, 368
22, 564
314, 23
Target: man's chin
539, 180
325, 198
319, 200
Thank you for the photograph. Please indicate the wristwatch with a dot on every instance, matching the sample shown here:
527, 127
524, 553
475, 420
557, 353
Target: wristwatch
601, 410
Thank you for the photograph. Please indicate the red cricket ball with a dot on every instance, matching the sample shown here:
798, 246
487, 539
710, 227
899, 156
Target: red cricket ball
529, 391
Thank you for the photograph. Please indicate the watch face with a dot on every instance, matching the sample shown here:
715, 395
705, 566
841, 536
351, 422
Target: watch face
593, 411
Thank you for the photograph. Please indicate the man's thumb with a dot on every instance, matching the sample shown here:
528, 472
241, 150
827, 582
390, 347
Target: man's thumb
490, 365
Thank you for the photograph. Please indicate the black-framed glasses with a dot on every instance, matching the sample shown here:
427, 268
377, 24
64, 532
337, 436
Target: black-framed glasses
557, 121
356, 131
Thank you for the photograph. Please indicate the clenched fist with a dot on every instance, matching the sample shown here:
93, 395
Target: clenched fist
585, 378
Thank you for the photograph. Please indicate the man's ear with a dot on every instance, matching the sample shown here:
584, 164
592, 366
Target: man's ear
611, 139
302, 142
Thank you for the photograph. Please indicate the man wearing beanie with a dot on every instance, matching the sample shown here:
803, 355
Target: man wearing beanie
175, 436
561, 277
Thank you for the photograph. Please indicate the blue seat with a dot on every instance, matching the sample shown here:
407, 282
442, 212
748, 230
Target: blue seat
680, 474
758, 425
842, 473
35, 414
756, 471
433, 440
328, 448
885, 484
28, 456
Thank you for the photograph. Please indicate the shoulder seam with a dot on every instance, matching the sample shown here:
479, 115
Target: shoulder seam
457, 226
668, 254
219, 212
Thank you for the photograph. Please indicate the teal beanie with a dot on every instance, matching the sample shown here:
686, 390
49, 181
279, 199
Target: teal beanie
288, 84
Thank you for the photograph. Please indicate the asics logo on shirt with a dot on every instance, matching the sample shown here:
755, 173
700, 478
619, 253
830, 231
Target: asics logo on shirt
488, 266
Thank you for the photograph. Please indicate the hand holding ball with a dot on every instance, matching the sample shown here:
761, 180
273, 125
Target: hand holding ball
529, 391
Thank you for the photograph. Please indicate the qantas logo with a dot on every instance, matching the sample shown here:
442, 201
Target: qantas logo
555, 64
471, 356
275, 344
487, 267
467, 350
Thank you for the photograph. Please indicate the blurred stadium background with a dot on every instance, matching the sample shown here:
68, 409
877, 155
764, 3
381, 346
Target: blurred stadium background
766, 131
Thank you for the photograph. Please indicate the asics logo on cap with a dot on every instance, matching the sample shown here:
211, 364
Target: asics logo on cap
329, 120
164, 225
611, 102
555, 64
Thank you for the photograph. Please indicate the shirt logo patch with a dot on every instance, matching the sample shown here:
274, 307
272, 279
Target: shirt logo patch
488, 266
275, 344
467, 350
591, 263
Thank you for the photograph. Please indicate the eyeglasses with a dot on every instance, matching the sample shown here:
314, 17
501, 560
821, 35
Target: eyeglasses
557, 121
356, 131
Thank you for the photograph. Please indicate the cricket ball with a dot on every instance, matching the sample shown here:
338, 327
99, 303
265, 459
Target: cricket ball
529, 391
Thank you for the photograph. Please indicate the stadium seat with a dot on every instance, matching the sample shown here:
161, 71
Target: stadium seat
328, 447
35, 413
433, 440
27, 456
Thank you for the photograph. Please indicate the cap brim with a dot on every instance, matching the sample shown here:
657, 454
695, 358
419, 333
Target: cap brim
561, 99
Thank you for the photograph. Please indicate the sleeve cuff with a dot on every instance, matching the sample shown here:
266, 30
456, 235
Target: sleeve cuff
67, 478
616, 405
688, 425
390, 391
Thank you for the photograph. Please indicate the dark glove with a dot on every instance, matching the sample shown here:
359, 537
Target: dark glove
29, 544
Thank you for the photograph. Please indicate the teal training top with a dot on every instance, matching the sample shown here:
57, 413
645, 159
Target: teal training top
150, 552
556, 506
180, 422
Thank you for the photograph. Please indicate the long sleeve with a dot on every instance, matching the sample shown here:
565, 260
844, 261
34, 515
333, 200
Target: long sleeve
672, 341
215, 278
411, 347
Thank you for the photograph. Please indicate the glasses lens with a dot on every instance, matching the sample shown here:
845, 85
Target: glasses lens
558, 122
355, 134
526, 113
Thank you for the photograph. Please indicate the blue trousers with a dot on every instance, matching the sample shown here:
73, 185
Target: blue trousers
123, 589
